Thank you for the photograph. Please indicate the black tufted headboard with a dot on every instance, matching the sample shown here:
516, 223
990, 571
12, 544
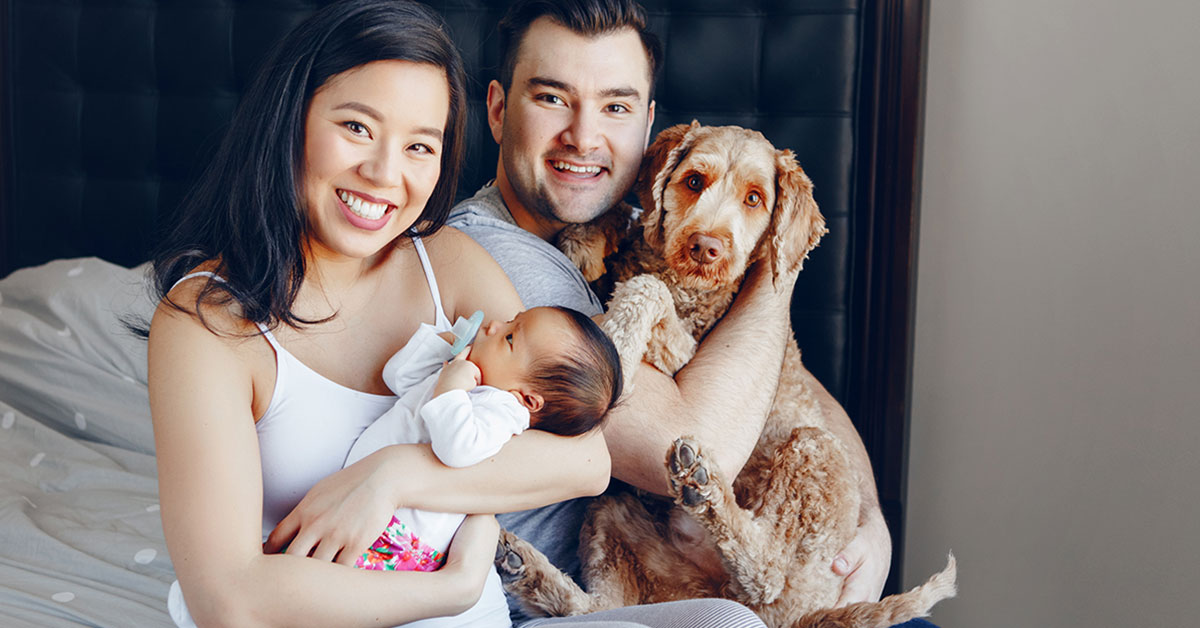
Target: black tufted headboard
111, 108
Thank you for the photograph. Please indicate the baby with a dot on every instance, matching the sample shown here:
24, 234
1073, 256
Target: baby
549, 368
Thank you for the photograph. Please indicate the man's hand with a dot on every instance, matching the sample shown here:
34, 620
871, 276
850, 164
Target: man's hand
865, 562
340, 517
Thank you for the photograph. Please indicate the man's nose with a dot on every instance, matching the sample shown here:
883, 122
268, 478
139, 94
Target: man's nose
584, 133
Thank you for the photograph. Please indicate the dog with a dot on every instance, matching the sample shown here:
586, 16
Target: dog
715, 199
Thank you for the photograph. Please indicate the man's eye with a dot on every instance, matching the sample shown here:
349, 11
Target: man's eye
551, 99
694, 182
615, 108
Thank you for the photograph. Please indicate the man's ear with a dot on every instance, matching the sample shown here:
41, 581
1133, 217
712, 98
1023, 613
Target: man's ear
495, 109
531, 400
649, 127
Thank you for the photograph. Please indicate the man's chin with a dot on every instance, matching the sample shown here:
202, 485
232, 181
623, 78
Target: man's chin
575, 211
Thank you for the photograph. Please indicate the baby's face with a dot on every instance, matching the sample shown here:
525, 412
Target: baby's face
504, 352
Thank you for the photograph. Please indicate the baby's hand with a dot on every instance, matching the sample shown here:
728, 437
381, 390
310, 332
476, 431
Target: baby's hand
458, 374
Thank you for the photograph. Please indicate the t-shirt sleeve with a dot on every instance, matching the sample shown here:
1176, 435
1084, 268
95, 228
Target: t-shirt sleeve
541, 274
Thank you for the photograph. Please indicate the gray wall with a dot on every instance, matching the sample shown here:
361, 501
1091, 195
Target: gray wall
1056, 407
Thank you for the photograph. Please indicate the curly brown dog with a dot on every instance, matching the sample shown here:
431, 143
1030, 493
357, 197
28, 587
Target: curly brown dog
716, 200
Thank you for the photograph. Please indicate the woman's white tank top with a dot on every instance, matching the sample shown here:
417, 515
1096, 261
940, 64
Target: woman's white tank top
312, 422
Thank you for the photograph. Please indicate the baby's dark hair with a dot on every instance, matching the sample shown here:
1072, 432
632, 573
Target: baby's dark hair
579, 387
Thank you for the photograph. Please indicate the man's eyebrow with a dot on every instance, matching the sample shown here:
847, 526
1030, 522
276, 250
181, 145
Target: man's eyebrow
611, 92
621, 92
543, 81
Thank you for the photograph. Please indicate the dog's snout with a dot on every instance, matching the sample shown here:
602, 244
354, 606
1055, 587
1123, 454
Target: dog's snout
704, 248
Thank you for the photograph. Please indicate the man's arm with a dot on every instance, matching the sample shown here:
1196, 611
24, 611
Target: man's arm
721, 397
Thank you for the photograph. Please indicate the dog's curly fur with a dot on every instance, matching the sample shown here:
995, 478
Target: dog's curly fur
716, 200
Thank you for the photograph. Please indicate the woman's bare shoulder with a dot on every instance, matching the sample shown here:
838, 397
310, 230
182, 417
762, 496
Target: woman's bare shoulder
471, 279
449, 245
188, 305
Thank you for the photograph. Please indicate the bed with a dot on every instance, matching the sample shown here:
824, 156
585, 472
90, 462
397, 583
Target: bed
110, 108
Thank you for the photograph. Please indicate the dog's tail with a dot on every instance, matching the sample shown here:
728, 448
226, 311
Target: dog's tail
892, 610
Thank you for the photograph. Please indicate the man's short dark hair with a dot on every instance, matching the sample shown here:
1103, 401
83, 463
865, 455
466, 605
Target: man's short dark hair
590, 18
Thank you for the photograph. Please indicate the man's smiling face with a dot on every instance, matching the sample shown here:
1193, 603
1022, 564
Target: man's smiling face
573, 125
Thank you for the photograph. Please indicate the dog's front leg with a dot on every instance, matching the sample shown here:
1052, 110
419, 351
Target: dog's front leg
541, 587
749, 548
642, 323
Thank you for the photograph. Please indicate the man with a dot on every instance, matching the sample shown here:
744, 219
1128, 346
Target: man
572, 113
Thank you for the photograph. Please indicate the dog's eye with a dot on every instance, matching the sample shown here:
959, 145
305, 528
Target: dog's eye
753, 199
694, 182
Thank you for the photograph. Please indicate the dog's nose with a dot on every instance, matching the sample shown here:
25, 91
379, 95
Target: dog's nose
704, 248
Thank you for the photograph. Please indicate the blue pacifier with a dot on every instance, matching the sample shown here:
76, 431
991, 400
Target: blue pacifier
464, 331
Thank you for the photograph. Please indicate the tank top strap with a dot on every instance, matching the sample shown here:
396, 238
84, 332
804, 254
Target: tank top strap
215, 277
440, 321
199, 273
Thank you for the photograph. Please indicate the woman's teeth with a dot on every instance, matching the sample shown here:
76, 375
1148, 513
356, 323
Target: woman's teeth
370, 211
562, 165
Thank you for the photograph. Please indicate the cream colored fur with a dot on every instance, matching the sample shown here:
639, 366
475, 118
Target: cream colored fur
766, 538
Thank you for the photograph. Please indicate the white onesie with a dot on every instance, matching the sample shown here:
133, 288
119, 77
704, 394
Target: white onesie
464, 428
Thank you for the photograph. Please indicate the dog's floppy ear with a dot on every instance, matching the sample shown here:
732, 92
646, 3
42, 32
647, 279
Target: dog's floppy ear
657, 165
796, 223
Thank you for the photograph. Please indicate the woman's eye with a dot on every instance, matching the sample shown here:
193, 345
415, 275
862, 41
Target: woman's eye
694, 182
356, 128
753, 199
423, 148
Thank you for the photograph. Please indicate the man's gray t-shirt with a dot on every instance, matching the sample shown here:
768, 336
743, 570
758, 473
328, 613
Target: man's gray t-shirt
542, 276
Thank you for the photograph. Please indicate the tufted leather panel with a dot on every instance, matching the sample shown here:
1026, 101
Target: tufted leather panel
114, 106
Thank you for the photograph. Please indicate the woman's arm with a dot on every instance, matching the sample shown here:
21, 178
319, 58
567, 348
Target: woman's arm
533, 469
201, 394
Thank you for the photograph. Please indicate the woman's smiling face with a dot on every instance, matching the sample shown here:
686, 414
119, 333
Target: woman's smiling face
372, 155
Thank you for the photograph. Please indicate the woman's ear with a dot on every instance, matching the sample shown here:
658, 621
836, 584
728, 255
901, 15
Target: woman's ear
531, 400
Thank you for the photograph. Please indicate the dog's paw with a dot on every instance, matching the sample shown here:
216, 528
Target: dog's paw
692, 482
509, 562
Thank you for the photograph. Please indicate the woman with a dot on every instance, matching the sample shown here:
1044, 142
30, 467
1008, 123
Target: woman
288, 282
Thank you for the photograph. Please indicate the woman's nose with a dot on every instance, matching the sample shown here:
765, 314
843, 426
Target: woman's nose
384, 166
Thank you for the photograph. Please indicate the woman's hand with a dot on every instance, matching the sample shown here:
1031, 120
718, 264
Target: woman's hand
341, 516
471, 553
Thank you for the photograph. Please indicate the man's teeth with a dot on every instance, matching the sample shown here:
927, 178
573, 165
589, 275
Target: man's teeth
370, 211
562, 165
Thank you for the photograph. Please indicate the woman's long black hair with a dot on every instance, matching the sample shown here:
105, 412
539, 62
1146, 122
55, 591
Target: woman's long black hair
247, 212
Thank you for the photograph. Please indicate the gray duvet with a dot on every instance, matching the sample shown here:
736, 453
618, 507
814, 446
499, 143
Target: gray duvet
81, 541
